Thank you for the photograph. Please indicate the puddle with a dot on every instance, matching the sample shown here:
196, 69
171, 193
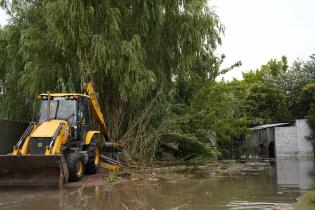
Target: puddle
278, 185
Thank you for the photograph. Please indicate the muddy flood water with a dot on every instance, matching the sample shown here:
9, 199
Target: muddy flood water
282, 183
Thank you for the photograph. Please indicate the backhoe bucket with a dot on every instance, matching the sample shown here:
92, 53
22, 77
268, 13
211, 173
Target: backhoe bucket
33, 170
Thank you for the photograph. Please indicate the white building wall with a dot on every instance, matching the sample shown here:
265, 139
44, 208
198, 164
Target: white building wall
305, 146
285, 138
292, 140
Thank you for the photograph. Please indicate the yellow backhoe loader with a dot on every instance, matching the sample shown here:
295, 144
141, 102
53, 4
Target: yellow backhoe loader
62, 146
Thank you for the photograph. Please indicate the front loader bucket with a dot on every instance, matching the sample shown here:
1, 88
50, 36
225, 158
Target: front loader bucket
33, 170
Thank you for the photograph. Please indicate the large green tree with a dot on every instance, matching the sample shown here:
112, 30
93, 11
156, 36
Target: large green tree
261, 101
265, 104
133, 50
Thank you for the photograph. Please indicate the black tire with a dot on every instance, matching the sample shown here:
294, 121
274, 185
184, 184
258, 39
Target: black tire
93, 164
75, 165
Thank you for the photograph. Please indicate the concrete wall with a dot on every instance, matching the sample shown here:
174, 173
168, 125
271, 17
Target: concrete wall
305, 147
285, 139
292, 140
10, 133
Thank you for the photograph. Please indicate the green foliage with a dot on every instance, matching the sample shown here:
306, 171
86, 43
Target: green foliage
139, 54
216, 110
297, 85
211, 116
265, 104
306, 99
128, 48
306, 102
272, 69
306, 201
14, 104
292, 81
111, 177
260, 100
311, 120
154, 68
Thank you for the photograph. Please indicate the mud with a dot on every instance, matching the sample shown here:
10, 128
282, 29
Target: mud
173, 173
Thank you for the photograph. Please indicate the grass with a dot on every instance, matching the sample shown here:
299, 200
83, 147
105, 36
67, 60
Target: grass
306, 201
111, 177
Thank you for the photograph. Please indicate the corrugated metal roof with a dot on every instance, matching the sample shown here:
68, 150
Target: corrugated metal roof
269, 126
64, 94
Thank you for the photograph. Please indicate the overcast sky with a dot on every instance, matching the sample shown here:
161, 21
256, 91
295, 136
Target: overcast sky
259, 30
3, 17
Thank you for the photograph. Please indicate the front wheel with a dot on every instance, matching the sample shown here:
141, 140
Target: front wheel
94, 161
75, 166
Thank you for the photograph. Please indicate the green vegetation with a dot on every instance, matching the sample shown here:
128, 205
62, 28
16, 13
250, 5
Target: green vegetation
139, 54
111, 177
155, 69
306, 201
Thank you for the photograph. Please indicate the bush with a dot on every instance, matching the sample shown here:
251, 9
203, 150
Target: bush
311, 121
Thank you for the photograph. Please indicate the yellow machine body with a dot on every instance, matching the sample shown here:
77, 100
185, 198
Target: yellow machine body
41, 157
47, 130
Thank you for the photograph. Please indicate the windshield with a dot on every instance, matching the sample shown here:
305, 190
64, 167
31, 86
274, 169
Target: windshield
59, 109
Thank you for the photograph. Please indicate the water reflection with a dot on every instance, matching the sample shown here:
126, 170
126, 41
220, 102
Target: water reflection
295, 172
281, 184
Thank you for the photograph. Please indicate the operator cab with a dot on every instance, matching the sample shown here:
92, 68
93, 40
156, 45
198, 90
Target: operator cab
73, 108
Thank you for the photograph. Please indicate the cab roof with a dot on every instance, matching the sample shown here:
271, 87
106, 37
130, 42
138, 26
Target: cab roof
64, 94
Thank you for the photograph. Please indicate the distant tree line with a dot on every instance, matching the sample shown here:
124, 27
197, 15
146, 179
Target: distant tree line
277, 92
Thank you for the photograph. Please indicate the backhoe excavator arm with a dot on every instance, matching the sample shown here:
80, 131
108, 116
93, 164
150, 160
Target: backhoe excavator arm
95, 108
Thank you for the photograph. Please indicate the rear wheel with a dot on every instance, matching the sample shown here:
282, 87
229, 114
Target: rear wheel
94, 161
75, 166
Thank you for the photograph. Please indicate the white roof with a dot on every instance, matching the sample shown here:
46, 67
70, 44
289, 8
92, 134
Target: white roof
269, 126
